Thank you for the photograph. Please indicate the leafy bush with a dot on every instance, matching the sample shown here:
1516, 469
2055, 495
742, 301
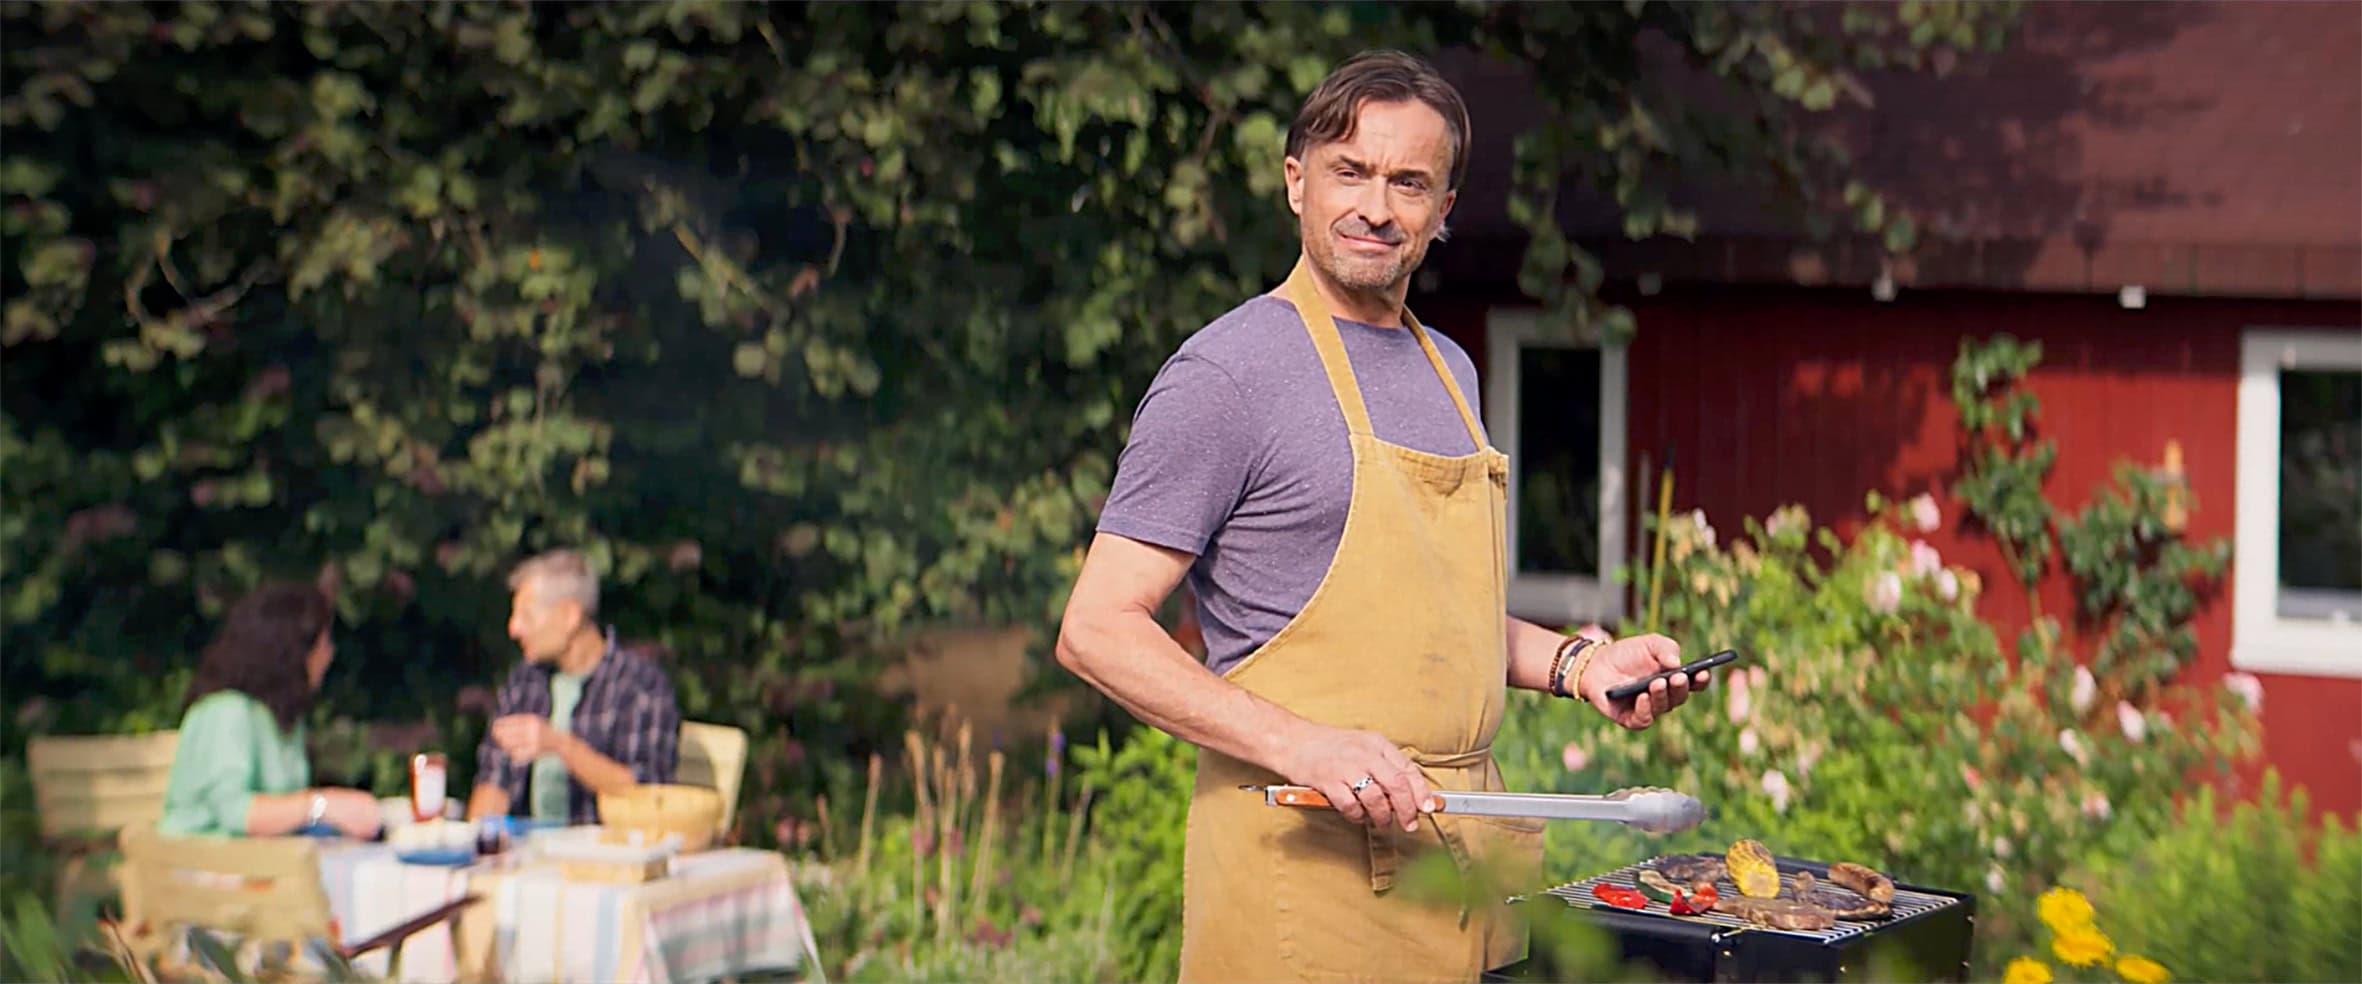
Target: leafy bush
1877, 719
2251, 893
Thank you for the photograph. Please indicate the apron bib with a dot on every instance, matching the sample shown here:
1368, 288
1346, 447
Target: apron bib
1404, 637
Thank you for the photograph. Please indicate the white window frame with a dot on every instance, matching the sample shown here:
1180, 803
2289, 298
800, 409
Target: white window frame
2261, 640
1559, 599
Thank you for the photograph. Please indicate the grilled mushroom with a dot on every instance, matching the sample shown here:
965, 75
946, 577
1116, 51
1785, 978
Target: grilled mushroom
1692, 869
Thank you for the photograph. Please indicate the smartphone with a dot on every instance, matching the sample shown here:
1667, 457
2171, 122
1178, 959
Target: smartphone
1633, 688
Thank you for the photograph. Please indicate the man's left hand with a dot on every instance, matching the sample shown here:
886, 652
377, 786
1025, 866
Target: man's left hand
1630, 659
526, 737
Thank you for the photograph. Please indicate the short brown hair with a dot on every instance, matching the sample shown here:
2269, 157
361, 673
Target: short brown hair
1329, 114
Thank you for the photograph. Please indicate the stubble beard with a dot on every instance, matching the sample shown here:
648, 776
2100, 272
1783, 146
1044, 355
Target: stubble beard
1366, 274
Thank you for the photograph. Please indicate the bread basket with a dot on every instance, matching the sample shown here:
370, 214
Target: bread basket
650, 812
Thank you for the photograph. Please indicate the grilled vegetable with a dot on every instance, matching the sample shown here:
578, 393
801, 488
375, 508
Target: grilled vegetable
1693, 905
1619, 896
1657, 887
1863, 880
1752, 869
1777, 913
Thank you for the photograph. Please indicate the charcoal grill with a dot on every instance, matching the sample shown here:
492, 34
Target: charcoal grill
1926, 937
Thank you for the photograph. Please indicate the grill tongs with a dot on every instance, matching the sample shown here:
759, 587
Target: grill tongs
1644, 808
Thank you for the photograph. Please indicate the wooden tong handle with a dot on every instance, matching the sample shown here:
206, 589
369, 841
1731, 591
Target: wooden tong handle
1307, 796
1298, 796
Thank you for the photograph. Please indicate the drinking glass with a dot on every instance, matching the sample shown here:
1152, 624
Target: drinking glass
427, 791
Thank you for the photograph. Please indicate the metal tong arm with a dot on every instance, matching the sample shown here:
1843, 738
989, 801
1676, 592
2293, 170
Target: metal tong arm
1645, 808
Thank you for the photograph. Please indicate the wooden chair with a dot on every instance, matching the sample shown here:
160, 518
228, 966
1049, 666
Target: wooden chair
714, 756
256, 890
88, 789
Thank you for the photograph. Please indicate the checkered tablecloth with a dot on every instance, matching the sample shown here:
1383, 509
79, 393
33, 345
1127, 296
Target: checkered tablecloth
719, 913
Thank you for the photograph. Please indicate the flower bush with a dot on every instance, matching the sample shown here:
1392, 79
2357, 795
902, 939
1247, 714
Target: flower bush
1875, 717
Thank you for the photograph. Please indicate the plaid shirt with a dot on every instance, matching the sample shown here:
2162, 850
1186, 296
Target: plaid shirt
627, 713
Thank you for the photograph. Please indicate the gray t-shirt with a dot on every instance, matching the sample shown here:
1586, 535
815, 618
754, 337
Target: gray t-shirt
1238, 455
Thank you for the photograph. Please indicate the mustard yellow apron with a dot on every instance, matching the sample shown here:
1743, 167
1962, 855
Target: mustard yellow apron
1404, 637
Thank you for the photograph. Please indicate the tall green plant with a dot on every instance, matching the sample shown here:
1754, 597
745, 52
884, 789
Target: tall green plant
2251, 891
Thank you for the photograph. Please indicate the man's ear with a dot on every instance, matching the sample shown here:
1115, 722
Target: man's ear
1293, 169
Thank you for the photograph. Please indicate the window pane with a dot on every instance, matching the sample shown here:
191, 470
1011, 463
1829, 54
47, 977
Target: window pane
2321, 494
1558, 461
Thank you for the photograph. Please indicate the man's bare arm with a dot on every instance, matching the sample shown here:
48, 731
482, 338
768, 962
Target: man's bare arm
1110, 637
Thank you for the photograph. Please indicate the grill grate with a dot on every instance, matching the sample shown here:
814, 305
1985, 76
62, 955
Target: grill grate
1907, 904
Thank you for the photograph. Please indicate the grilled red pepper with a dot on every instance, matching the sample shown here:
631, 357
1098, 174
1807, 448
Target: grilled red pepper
1693, 905
1622, 898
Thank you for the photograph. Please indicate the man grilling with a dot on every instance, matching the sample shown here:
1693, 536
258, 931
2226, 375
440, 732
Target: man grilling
1311, 462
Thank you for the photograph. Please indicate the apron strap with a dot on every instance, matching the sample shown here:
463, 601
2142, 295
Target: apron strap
1323, 325
1451, 385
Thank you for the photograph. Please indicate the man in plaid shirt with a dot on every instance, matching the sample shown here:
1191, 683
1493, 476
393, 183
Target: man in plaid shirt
581, 716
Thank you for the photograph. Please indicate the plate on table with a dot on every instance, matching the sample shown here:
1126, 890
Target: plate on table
441, 857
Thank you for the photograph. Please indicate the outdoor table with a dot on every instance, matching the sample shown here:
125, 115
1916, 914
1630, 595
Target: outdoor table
719, 913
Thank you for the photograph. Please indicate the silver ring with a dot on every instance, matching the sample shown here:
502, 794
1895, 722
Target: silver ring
1362, 783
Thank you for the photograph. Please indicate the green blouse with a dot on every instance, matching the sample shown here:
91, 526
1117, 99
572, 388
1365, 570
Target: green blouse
230, 749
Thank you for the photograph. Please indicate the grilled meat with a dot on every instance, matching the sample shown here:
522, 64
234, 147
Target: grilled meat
1692, 869
1866, 881
1776, 913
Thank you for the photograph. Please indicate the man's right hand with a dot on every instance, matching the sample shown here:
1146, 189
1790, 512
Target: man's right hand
1334, 760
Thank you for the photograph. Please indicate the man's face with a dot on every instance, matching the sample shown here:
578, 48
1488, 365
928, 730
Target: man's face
542, 626
1368, 207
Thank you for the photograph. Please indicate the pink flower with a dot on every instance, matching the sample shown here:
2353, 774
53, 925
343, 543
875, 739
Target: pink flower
1947, 584
1775, 785
2129, 718
1924, 513
1994, 880
1575, 757
2085, 689
1697, 517
1805, 759
1756, 676
1884, 592
1970, 775
1748, 743
1740, 701
2095, 805
2073, 744
2249, 689
1924, 559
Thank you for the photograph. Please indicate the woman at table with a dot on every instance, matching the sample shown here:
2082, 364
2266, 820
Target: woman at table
240, 767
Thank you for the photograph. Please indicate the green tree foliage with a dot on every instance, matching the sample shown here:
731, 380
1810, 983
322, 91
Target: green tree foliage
810, 322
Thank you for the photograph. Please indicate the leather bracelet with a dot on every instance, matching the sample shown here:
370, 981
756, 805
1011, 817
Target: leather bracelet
1568, 650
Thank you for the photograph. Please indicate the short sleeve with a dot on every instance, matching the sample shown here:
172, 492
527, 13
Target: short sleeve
1192, 448
214, 770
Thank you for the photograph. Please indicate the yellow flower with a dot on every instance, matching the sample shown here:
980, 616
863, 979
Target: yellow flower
2026, 970
2082, 946
2142, 970
2063, 909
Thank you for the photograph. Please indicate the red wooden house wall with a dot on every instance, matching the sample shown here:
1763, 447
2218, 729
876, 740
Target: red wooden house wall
1777, 395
